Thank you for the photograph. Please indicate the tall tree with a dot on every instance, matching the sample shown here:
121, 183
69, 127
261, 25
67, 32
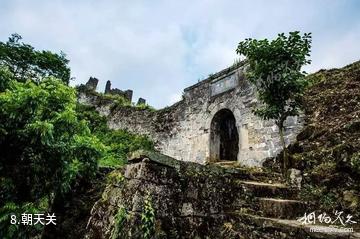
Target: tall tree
275, 69
44, 146
25, 63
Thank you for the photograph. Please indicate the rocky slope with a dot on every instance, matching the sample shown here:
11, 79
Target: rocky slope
328, 149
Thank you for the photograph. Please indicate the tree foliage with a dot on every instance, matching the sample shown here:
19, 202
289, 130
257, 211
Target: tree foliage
119, 143
48, 142
275, 69
24, 62
43, 143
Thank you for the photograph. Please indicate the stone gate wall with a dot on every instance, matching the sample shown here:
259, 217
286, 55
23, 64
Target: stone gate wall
183, 130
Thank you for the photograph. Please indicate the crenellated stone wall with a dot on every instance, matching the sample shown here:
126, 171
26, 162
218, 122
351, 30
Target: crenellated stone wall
186, 129
127, 94
91, 86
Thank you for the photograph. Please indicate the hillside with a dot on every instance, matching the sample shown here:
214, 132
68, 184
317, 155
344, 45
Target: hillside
328, 149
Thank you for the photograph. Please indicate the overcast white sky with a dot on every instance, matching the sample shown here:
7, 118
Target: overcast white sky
157, 48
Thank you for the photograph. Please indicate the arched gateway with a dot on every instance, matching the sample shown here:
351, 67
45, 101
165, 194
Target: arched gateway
202, 128
224, 137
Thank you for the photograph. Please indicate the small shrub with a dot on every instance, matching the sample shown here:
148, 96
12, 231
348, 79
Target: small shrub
145, 107
148, 218
115, 177
355, 162
118, 143
120, 218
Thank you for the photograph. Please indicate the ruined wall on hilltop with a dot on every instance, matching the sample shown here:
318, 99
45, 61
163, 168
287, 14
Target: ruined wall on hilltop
191, 130
160, 125
90, 87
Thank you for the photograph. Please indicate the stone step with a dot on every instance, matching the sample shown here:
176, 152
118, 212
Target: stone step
252, 173
281, 208
270, 190
227, 163
267, 177
284, 228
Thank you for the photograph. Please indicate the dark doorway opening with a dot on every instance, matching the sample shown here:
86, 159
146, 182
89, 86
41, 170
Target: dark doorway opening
224, 137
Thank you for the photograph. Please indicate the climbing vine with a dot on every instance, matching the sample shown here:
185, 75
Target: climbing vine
148, 218
120, 218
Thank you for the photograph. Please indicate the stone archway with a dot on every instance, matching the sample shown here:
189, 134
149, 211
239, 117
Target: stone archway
224, 137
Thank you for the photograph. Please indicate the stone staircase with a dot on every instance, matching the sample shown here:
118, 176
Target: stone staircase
253, 173
191, 200
276, 207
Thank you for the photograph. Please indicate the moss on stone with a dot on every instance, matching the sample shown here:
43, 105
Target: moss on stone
326, 147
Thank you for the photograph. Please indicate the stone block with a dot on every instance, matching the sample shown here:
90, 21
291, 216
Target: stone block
92, 83
141, 101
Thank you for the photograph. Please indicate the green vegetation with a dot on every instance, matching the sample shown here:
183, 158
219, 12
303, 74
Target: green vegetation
118, 143
275, 69
25, 63
115, 178
327, 151
48, 141
10, 212
120, 218
119, 102
148, 218
115, 101
145, 107
45, 146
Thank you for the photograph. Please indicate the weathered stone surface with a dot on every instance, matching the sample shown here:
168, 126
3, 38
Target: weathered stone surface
141, 101
282, 208
189, 199
260, 189
195, 201
186, 130
92, 83
294, 177
128, 95
115, 91
107, 87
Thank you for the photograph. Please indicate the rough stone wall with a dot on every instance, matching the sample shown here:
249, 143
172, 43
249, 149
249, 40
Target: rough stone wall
258, 139
115, 91
183, 130
179, 193
92, 83
189, 200
141, 101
